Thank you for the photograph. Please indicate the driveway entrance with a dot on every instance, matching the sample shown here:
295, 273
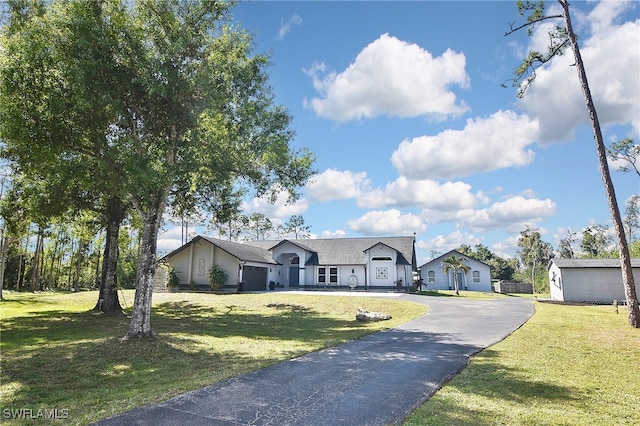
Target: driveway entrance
375, 380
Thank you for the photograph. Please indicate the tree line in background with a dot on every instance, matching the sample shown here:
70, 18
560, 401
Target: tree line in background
68, 252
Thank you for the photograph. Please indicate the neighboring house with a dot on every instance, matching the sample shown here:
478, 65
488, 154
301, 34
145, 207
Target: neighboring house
363, 263
250, 265
477, 278
589, 280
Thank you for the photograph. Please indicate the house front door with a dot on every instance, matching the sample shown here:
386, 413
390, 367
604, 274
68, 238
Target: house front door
461, 283
294, 276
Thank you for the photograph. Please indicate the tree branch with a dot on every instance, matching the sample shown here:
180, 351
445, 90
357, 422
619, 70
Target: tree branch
530, 23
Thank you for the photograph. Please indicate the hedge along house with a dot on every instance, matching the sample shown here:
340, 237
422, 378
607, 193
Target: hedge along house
589, 280
252, 266
477, 278
357, 263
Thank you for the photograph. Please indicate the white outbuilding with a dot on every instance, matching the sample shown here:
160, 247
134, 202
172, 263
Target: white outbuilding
589, 280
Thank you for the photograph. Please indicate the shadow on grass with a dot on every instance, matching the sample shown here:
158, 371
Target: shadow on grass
490, 384
497, 381
77, 361
281, 322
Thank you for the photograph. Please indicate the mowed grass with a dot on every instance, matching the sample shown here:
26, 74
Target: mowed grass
57, 355
568, 365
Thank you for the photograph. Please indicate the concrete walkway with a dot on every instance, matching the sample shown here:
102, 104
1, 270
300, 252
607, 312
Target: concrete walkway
376, 380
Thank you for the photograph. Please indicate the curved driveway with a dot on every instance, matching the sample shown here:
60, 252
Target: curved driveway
375, 380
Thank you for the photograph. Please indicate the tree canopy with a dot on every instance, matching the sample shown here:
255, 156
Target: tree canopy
161, 97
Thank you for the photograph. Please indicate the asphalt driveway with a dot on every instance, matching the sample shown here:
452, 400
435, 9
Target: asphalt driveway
375, 380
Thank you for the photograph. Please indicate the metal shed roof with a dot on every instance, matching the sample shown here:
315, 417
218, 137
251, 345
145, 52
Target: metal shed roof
591, 263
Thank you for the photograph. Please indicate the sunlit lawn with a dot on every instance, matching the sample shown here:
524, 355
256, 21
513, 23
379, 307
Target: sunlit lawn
57, 355
568, 365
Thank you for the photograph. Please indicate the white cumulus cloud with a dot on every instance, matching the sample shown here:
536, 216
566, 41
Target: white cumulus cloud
387, 222
275, 211
485, 144
513, 213
333, 184
405, 192
391, 77
611, 54
170, 239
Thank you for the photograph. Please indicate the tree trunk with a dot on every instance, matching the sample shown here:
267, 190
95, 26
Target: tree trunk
20, 276
3, 259
140, 325
97, 272
78, 265
108, 301
35, 273
625, 259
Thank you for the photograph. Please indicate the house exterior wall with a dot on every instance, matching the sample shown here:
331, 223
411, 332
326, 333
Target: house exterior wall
193, 263
382, 270
344, 275
283, 255
376, 267
556, 286
599, 285
480, 281
274, 274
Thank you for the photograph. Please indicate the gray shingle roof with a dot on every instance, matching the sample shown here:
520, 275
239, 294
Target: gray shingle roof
243, 252
437, 260
335, 251
592, 263
349, 251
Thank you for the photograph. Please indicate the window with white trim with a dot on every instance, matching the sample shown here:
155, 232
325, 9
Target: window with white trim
333, 275
322, 275
476, 276
431, 276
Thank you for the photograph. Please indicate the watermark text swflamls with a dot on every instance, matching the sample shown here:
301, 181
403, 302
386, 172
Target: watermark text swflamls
31, 414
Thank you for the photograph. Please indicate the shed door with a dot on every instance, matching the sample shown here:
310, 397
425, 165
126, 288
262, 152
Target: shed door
254, 278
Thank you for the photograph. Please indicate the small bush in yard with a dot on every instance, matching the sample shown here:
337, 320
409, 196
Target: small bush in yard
217, 277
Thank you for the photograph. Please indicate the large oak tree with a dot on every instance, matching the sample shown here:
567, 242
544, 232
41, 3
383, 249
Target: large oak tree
180, 97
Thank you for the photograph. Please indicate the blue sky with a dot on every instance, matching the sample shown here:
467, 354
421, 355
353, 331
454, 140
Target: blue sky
402, 104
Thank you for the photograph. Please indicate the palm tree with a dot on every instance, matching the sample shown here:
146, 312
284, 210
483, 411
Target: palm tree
456, 264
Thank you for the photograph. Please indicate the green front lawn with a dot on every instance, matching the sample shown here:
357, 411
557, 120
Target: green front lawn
57, 355
568, 365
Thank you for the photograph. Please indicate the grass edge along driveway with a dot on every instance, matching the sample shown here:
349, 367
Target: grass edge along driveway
568, 365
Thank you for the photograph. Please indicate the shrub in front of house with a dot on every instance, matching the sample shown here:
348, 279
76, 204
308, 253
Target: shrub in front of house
173, 279
217, 277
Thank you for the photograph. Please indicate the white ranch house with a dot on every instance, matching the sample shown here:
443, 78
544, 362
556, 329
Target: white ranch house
477, 278
589, 280
357, 263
